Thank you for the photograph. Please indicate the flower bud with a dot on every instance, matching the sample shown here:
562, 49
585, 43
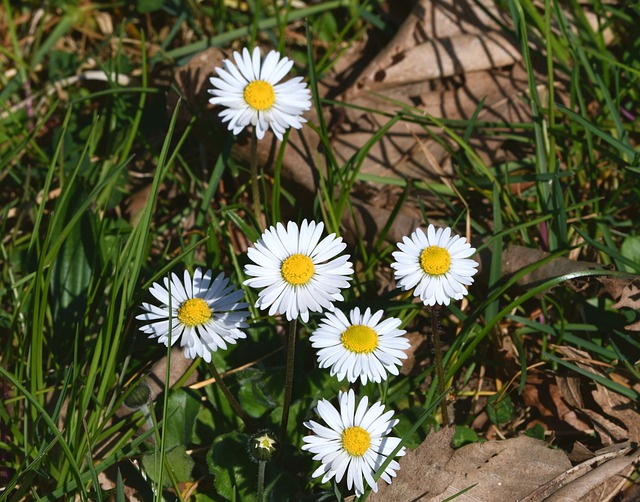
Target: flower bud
262, 446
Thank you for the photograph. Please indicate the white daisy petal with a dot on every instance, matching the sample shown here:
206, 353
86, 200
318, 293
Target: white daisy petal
361, 346
296, 279
435, 265
251, 92
354, 444
205, 315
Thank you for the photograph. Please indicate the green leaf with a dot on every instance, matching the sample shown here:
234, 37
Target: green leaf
120, 496
144, 6
464, 435
535, 432
500, 409
176, 459
182, 410
234, 473
72, 269
61, 64
326, 26
258, 392
631, 249
407, 420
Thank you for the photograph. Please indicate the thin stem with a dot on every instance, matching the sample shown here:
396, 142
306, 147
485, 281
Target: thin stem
261, 467
232, 400
255, 188
288, 386
435, 330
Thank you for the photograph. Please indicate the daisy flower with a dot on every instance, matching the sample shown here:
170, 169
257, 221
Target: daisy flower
250, 91
436, 264
354, 442
300, 272
361, 346
205, 315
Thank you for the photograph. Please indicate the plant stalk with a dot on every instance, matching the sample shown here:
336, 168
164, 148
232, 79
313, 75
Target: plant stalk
255, 187
435, 330
232, 400
288, 385
261, 468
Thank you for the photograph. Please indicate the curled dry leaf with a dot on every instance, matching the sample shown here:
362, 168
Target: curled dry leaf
617, 419
494, 470
557, 401
601, 477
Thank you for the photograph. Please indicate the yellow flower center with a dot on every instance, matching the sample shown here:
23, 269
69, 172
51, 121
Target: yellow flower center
298, 269
435, 260
360, 339
259, 95
356, 441
194, 312
266, 443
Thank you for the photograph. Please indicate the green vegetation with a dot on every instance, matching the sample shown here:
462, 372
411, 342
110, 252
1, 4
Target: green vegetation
113, 174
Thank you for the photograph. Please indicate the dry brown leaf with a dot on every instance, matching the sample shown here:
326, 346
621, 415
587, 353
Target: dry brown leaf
415, 339
618, 419
422, 471
629, 296
556, 399
634, 326
500, 470
600, 478
430, 20
446, 57
620, 408
515, 258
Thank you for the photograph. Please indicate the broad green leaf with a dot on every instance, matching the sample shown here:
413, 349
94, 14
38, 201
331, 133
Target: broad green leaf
234, 473
182, 410
145, 6
535, 432
176, 459
500, 409
258, 392
631, 249
72, 269
464, 435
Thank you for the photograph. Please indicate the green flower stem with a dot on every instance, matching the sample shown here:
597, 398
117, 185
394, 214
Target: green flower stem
435, 330
261, 467
232, 400
288, 386
255, 188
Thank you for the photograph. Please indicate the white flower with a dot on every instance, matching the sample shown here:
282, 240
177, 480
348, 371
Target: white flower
204, 315
362, 347
299, 272
355, 441
251, 93
437, 263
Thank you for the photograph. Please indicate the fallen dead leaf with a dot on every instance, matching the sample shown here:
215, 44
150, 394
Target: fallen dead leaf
556, 400
618, 418
416, 340
598, 479
494, 470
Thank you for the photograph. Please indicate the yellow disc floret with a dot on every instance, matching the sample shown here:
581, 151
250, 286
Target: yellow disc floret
435, 260
356, 441
194, 312
297, 270
360, 339
259, 95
